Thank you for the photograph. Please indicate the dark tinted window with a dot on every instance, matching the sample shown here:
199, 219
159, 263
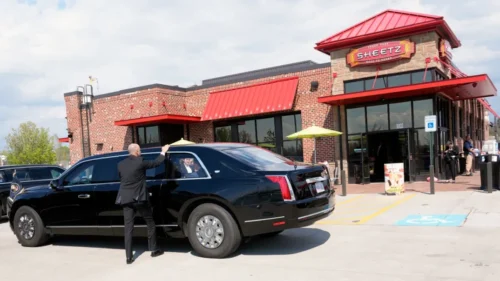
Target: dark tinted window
354, 86
55, 172
223, 134
40, 173
421, 108
154, 173
258, 157
148, 135
418, 77
21, 174
378, 119
398, 80
246, 131
356, 120
81, 174
266, 133
5, 176
400, 115
106, 170
379, 83
185, 165
292, 148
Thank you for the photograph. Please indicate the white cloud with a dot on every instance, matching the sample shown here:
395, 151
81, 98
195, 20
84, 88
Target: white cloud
127, 43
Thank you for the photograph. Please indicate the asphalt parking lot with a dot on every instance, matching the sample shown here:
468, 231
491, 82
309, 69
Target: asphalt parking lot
414, 236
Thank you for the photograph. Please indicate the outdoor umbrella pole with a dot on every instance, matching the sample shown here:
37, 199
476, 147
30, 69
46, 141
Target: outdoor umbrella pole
314, 151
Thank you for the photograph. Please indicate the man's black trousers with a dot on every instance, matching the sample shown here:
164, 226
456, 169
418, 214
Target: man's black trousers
129, 212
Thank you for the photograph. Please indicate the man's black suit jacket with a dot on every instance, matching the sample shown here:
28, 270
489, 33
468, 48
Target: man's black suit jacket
132, 172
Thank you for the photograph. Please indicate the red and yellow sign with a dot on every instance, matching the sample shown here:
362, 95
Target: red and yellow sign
445, 49
381, 53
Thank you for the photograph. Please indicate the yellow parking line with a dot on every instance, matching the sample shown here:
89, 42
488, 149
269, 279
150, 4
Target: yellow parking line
385, 209
350, 200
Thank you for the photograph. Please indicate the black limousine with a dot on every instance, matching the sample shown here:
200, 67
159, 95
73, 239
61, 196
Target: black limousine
217, 195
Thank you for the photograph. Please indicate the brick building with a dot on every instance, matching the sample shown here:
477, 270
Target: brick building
384, 76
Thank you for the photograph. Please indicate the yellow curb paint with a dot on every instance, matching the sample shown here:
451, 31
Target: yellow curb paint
385, 209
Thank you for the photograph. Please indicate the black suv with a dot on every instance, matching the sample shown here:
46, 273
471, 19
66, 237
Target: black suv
15, 177
214, 194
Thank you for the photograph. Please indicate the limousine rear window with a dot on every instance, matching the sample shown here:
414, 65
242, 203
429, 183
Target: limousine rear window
257, 157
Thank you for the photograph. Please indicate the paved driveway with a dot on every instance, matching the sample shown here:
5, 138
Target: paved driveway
448, 236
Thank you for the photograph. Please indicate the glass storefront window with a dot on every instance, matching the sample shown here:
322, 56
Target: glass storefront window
400, 115
399, 80
148, 135
354, 86
421, 108
140, 133
223, 134
418, 77
377, 118
266, 131
356, 120
380, 83
292, 149
246, 132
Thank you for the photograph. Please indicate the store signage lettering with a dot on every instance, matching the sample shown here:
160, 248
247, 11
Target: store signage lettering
381, 53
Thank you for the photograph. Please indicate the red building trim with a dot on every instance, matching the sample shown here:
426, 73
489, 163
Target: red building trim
488, 107
469, 87
63, 139
165, 118
388, 31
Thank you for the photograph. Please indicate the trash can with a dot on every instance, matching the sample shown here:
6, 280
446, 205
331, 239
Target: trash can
461, 165
495, 166
484, 176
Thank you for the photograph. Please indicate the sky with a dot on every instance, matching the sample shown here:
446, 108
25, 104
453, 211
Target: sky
49, 47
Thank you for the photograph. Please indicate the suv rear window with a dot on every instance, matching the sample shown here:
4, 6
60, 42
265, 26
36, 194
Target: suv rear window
258, 157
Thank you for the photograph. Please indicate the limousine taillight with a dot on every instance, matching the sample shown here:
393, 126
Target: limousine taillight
285, 186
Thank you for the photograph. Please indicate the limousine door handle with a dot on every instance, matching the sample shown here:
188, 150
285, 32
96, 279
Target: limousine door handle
83, 196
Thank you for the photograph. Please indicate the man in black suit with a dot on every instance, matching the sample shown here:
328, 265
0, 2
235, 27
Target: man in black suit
134, 197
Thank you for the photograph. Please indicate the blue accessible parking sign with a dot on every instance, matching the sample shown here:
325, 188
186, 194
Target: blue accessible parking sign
432, 220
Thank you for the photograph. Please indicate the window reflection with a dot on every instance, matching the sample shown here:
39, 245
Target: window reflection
246, 131
379, 83
265, 130
356, 120
399, 80
400, 115
223, 134
421, 108
418, 77
354, 86
378, 119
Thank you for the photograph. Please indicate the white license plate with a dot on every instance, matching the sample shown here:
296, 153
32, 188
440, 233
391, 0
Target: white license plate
319, 187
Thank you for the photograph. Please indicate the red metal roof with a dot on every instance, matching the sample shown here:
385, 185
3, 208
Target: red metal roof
277, 95
63, 139
469, 87
165, 118
385, 25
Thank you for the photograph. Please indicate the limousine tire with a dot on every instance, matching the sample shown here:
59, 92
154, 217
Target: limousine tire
29, 227
212, 231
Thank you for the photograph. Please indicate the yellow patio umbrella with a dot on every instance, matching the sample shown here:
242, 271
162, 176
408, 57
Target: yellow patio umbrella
314, 132
182, 141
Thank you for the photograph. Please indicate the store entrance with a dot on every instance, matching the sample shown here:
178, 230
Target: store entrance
388, 147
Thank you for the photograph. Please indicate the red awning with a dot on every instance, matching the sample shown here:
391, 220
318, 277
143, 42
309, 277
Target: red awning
488, 107
470, 87
63, 139
277, 95
165, 118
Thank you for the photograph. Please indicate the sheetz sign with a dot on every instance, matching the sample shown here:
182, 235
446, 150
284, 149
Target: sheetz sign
381, 53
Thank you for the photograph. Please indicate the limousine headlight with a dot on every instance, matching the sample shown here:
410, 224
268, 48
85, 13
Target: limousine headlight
14, 187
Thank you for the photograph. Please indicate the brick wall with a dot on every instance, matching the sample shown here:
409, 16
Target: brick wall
106, 137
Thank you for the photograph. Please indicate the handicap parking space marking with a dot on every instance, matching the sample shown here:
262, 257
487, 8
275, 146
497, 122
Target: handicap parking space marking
432, 220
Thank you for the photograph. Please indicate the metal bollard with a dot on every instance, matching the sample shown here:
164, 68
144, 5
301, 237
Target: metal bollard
344, 183
431, 170
489, 177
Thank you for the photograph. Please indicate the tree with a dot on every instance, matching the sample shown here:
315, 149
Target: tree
30, 145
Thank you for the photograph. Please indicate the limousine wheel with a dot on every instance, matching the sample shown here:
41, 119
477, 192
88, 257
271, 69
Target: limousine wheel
212, 231
29, 227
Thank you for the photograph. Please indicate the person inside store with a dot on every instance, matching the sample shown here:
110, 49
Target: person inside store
450, 161
469, 155
134, 198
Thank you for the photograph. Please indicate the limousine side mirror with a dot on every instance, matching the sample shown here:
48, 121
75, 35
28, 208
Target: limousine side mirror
54, 184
